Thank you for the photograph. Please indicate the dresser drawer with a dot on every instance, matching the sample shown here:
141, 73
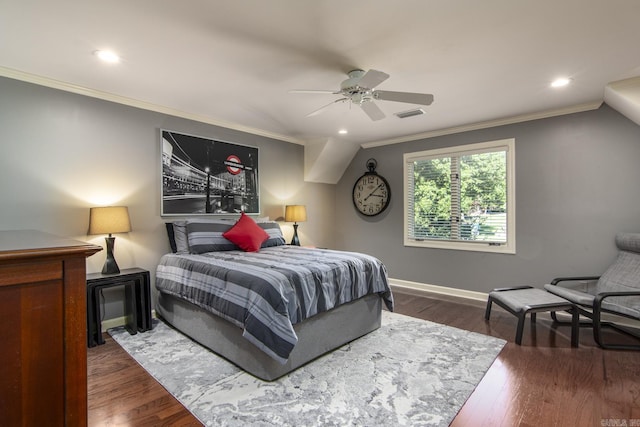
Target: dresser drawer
17, 274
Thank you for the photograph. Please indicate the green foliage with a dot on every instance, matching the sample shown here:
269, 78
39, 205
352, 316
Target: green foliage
483, 193
432, 197
483, 185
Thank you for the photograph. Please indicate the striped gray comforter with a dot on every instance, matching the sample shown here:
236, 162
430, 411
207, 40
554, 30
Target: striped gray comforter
267, 292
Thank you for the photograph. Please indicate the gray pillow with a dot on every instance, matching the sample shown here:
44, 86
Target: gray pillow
180, 237
206, 236
275, 234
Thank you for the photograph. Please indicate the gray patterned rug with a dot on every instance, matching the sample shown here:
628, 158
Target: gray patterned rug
409, 372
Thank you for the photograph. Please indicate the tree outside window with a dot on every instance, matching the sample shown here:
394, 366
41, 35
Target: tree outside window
461, 195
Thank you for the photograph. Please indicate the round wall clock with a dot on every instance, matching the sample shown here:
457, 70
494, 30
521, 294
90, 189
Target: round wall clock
371, 193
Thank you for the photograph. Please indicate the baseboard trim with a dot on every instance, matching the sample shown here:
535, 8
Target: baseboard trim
479, 299
425, 289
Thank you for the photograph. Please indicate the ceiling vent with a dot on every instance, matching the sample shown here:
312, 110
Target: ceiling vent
410, 113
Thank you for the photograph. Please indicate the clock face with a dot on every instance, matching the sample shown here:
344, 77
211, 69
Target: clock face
371, 194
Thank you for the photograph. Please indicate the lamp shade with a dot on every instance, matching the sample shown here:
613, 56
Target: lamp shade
295, 213
109, 219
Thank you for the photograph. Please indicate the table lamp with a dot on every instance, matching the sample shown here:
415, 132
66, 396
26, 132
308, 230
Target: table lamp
108, 220
295, 214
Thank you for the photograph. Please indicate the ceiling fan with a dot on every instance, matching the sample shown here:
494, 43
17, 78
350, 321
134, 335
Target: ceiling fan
359, 89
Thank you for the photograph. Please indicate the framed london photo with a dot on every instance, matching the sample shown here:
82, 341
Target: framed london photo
202, 176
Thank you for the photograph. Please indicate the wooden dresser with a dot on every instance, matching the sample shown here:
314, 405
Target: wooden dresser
43, 329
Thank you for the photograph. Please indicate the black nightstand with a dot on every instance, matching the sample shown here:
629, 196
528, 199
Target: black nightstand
137, 285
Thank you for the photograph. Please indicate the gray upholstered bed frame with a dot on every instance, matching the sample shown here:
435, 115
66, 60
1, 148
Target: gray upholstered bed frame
316, 335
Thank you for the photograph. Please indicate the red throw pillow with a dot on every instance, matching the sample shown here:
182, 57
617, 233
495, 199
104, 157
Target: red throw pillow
246, 234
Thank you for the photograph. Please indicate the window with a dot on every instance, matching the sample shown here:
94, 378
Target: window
461, 197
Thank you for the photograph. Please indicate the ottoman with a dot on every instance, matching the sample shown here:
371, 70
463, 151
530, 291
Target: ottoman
521, 300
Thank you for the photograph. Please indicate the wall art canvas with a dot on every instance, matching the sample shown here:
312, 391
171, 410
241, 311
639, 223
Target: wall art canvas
202, 176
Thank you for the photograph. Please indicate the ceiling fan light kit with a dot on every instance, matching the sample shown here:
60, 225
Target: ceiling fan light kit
359, 89
360, 81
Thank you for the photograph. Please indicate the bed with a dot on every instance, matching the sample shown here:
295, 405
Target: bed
268, 307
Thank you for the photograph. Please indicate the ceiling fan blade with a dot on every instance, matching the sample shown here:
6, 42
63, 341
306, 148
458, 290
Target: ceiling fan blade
373, 111
312, 91
408, 97
372, 78
321, 109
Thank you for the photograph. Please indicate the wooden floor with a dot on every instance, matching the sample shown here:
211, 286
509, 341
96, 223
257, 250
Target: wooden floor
542, 382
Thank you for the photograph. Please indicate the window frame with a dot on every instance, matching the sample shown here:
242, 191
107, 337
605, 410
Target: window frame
507, 145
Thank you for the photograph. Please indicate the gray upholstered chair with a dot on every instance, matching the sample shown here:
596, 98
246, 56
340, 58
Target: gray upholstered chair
616, 292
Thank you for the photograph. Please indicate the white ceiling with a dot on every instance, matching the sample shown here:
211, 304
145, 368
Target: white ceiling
233, 63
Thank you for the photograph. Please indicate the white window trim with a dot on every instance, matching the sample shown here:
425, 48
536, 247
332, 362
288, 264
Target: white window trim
510, 246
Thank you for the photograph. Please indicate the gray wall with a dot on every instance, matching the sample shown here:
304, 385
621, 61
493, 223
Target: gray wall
577, 179
63, 153
576, 186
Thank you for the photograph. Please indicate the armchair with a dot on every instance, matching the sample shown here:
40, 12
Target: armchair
616, 292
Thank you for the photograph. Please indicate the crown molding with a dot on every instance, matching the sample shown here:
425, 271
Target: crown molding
487, 124
106, 96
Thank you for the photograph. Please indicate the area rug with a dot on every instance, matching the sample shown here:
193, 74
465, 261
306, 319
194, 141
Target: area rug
410, 372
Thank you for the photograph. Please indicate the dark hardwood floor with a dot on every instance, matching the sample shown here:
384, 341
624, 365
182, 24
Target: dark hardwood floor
542, 382
121, 393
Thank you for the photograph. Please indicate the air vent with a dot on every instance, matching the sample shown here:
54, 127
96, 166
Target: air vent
410, 113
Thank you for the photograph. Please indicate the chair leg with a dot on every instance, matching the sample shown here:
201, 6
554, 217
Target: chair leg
521, 317
598, 324
575, 328
597, 330
487, 312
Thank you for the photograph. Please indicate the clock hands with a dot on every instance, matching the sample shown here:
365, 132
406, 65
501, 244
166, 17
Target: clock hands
374, 190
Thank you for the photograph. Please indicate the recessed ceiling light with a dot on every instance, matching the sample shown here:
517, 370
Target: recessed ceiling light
107, 56
560, 82
343, 132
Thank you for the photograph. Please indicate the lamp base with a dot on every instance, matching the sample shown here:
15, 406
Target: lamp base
295, 241
110, 265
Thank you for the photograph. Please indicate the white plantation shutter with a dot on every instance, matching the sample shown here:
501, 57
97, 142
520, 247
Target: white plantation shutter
454, 214
409, 211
